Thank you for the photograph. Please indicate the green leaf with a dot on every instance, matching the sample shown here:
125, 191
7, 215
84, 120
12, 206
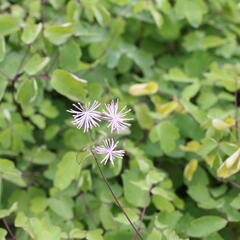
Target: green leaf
190, 91
48, 109
143, 117
85, 181
95, 235
38, 120
201, 195
27, 92
195, 111
107, 217
155, 234
62, 207
7, 212
38, 229
3, 234
213, 236
162, 203
38, 205
3, 86
68, 165
205, 225
70, 55
193, 11
170, 235
168, 220
77, 233
230, 166
8, 24
58, 34
132, 214
236, 202
31, 31
143, 162
51, 131
157, 16
133, 193
167, 134
177, 75
41, 156
10, 173
2, 48
68, 85
36, 64
190, 169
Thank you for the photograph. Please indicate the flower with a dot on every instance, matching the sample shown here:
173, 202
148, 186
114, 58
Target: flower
117, 120
86, 117
109, 149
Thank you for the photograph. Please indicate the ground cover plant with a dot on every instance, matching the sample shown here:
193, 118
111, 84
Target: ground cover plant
172, 162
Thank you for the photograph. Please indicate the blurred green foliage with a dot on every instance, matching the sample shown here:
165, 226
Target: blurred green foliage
175, 62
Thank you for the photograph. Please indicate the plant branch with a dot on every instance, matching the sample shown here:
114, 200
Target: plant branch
115, 197
8, 229
237, 185
18, 74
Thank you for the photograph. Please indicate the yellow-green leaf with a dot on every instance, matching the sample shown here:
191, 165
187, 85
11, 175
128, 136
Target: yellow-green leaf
190, 169
230, 166
220, 124
143, 89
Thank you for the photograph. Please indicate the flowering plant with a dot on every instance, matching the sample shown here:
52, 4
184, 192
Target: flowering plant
87, 117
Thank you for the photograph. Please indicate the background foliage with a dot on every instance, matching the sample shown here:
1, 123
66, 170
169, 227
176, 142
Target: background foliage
175, 62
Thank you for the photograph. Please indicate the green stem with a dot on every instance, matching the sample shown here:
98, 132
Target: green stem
115, 197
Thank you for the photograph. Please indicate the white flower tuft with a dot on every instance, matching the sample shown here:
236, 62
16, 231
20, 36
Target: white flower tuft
117, 120
108, 149
87, 116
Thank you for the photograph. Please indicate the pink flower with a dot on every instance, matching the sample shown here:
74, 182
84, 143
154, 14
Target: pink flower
86, 117
108, 149
117, 120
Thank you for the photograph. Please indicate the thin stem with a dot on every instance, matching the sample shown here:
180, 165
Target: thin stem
114, 196
143, 213
237, 185
236, 113
42, 14
18, 74
8, 229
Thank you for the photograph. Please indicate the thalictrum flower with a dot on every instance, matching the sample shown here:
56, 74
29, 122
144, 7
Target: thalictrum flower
108, 149
117, 120
87, 116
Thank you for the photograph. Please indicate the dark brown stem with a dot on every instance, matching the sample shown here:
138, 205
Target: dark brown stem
237, 185
115, 197
8, 229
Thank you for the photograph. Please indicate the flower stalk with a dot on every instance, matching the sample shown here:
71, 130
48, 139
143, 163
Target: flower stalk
115, 197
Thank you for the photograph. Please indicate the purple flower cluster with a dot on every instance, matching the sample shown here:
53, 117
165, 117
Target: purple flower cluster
87, 117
